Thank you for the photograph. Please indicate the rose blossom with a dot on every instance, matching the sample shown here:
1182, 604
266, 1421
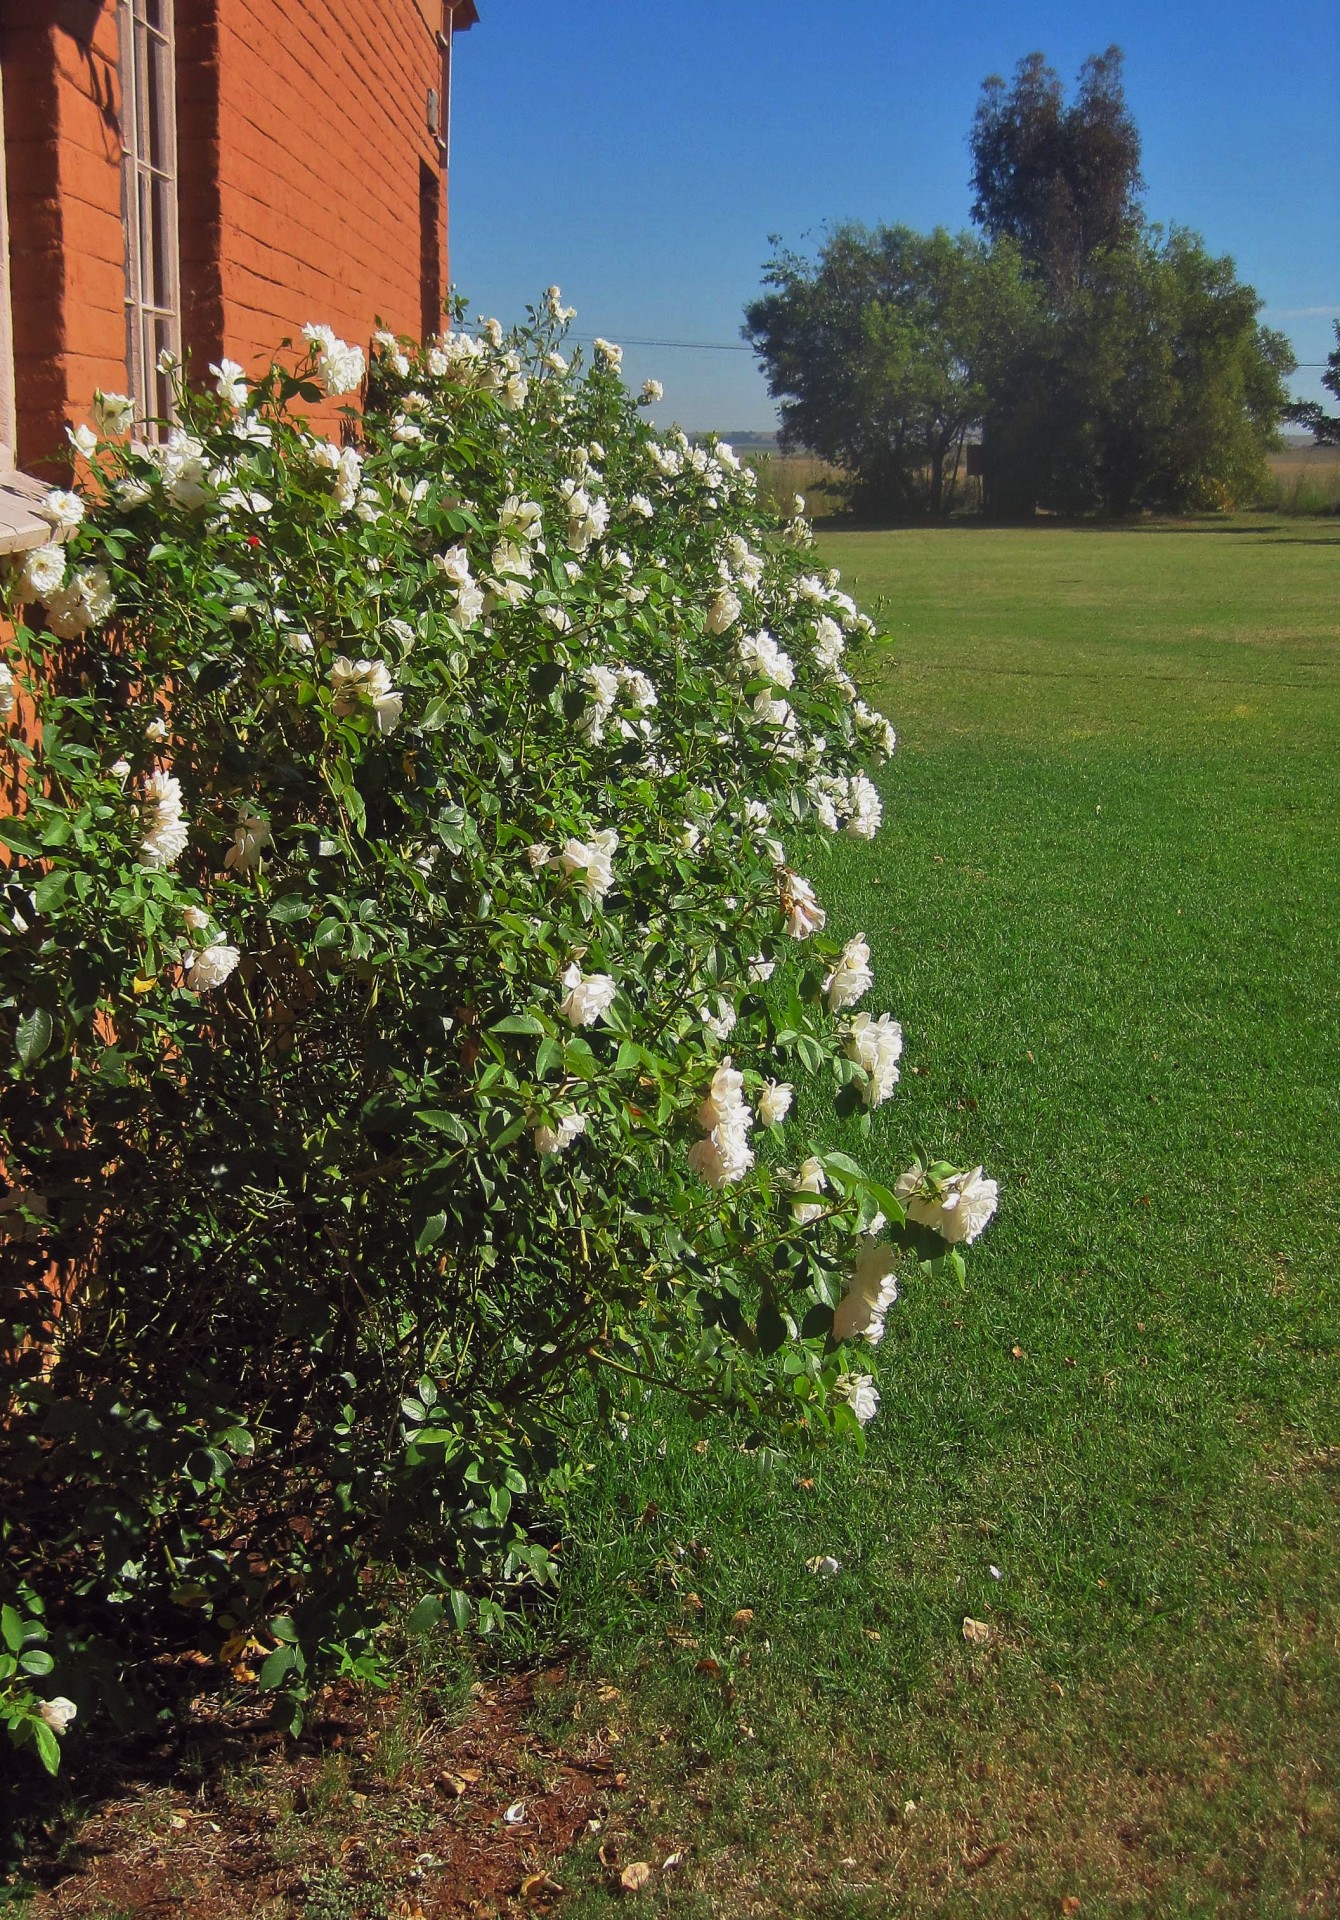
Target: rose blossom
957, 1207
588, 996
851, 977
877, 1046
552, 1140
870, 1293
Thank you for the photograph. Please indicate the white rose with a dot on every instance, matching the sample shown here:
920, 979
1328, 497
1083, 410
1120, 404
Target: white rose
851, 977
211, 966
58, 1713
860, 1393
551, 1140
62, 509
870, 1293
957, 1207
588, 996
774, 1103
804, 915
43, 572
112, 412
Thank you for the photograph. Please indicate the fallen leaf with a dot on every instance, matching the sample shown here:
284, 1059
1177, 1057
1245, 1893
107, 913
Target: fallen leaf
975, 1632
823, 1563
744, 1618
671, 1861
805, 1485
515, 1814
457, 1783
709, 1666
1070, 1904
535, 1884
699, 1446
635, 1877
691, 1603
1018, 1353
608, 1693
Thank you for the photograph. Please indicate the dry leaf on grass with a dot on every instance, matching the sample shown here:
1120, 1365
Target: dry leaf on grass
635, 1877
744, 1618
976, 1632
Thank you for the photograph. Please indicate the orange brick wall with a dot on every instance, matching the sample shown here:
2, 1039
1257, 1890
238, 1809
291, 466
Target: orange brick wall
63, 161
323, 156
310, 186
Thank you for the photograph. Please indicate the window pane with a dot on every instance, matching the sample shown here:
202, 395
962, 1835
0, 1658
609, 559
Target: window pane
160, 104
148, 132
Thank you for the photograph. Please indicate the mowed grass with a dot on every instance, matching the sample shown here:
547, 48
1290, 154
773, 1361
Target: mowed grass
1106, 907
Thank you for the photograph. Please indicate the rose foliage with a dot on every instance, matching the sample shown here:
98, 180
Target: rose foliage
409, 992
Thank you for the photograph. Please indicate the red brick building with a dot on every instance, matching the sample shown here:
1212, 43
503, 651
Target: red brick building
207, 176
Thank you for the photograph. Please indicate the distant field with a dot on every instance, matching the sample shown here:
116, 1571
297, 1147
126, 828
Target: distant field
1303, 480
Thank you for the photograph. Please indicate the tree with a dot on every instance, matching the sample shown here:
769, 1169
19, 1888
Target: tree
1154, 388
1324, 427
1061, 181
885, 351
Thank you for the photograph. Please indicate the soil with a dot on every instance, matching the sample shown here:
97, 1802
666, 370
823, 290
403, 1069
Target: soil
386, 1809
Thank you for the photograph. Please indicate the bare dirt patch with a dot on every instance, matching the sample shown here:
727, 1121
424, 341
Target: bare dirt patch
387, 1810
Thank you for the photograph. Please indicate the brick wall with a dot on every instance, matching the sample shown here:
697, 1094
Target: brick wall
310, 186
63, 161
324, 164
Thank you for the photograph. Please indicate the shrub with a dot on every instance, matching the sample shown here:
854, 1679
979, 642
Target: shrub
398, 993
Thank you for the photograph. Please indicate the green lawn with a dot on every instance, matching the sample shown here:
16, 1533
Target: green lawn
1106, 907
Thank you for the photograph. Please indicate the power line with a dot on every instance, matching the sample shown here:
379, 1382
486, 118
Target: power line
730, 346
699, 346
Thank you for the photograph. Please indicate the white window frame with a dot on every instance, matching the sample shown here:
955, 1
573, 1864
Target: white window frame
149, 201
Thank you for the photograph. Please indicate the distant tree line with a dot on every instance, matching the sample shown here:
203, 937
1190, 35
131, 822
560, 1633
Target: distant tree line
1100, 362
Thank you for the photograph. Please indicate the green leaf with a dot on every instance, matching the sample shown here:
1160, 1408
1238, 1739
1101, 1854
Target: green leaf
277, 1667
431, 1232
426, 1615
34, 1036
518, 1023
291, 907
48, 1746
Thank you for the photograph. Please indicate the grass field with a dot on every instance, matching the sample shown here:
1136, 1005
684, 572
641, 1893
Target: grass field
1105, 906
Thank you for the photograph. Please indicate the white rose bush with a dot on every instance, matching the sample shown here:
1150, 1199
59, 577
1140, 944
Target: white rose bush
413, 1005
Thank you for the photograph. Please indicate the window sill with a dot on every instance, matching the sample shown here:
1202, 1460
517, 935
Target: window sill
21, 526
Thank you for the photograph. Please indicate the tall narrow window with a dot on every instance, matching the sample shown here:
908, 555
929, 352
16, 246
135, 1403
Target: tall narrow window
149, 198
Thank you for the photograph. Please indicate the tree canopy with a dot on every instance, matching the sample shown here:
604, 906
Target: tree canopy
1062, 182
1107, 364
886, 349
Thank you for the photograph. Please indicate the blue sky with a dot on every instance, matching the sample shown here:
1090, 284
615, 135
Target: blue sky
641, 153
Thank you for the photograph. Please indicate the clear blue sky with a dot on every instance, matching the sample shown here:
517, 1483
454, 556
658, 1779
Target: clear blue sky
640, 153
